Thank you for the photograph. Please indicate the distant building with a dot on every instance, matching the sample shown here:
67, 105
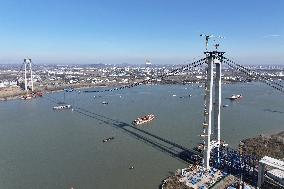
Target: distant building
13, 83
147, 63
2, 85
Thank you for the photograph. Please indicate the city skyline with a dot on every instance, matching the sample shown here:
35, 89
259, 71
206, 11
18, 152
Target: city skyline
113, 32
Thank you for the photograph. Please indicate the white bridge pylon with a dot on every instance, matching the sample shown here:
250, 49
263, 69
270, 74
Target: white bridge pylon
211, 137
28, 70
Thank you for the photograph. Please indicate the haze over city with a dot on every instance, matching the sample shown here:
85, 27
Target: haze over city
125, 31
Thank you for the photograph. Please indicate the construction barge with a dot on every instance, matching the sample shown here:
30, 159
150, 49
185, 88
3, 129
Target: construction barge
30, 96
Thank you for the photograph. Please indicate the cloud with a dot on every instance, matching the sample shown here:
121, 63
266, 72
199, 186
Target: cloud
271, 35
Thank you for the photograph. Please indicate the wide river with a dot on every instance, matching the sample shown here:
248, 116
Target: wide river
45, 149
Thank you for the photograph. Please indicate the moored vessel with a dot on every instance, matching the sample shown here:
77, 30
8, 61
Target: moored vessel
27, 97
68, 89
32, 95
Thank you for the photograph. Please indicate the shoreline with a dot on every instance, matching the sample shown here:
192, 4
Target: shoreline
17, 93
46, 90
265, 145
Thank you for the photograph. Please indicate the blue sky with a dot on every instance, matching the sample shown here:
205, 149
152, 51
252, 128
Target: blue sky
117, 31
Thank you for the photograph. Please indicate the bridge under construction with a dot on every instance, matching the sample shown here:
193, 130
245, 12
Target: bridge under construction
214, 151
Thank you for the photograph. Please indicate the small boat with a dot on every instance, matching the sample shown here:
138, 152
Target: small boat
62, 107
68, 89
144, 119
108, 139
174, 95
235, 97
104, 102
185, 96
225, 105
131, 167
27, 97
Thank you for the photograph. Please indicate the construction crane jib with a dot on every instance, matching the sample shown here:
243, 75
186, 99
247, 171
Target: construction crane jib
209, 36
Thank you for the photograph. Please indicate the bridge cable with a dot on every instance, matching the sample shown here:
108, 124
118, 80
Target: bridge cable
253, 74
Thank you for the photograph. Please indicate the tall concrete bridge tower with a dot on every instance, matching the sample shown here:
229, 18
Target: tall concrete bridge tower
211, 135
28, 71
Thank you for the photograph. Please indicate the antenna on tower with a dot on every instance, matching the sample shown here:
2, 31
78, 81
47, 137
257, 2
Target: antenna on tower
216, 46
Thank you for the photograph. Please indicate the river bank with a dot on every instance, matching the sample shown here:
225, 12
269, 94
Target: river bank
265, 145
16, 92
13, 93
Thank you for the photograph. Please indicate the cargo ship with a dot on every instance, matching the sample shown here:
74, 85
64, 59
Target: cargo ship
144, 119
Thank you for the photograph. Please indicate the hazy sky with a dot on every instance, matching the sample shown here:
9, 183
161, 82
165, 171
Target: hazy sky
117, 31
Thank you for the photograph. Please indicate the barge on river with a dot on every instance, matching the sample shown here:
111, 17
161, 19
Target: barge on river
62, 107
143, 120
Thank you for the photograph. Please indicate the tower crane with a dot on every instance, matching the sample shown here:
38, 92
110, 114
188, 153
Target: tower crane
207, 37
